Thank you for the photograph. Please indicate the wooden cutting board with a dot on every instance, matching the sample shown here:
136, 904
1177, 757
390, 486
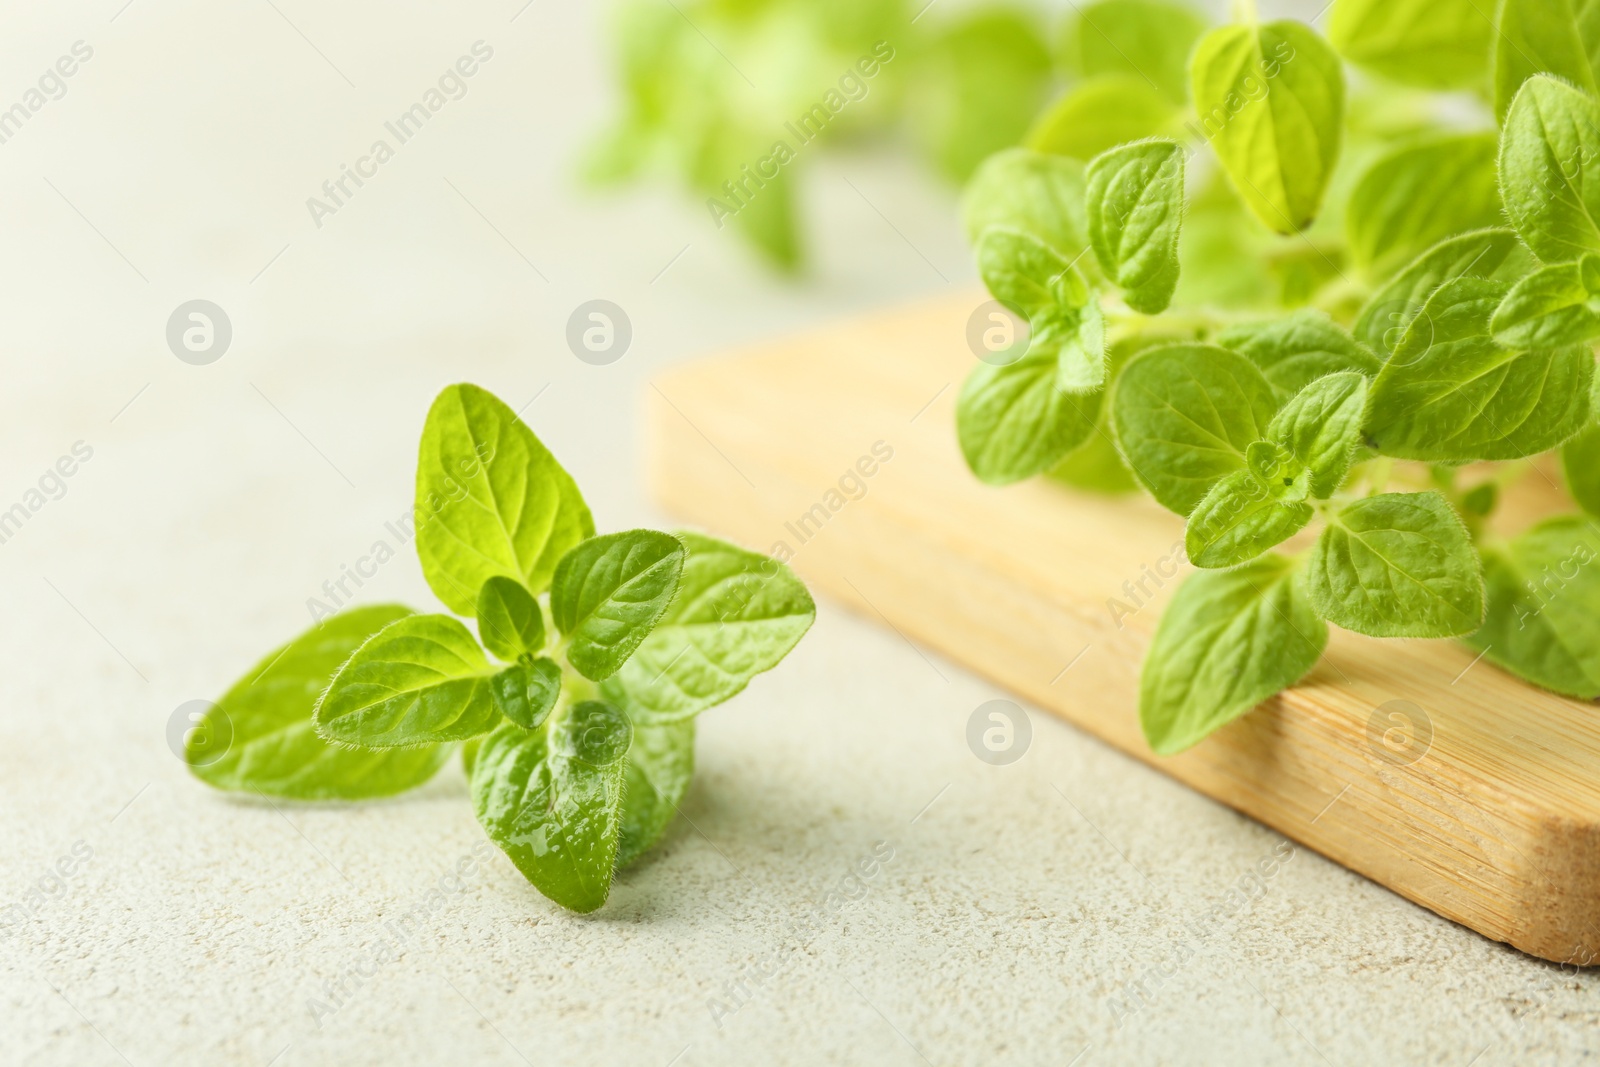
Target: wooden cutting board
1436, 775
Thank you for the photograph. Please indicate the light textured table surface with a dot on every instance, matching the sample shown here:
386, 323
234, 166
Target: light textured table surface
1073, 907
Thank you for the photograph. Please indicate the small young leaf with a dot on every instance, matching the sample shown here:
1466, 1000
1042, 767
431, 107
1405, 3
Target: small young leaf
1242, 517
264, 730
1321, 429
1488, 254
1420, 194
736, 615
1135, 204
1145, 39
660, 764
525, 693
1432, 44
1096, 465
1022, 272
1271, 101
556, 817
1580, 460
1101, 113
608, 594
1185, 415
1016, 421
510, 623
1547, 173
1076, 336
1036, 194
1450, 394
1397, 565
1064, 318
1297, 350
1552, 307
1543, 36
419, 680
1544, 607
491, 500
1228, 641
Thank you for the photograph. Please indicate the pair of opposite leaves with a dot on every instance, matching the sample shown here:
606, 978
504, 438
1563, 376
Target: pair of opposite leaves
667, 626
1018, 416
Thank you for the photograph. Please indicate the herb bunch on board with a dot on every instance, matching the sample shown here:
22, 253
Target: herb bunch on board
1327, 326
573, 706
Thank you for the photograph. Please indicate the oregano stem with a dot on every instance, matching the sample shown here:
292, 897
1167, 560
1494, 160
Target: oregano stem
1245, 11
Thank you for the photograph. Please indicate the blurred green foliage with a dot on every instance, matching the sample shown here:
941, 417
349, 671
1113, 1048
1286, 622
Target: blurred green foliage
710, 87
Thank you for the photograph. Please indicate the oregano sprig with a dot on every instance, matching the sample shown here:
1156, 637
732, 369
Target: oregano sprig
1320, 336
576, 697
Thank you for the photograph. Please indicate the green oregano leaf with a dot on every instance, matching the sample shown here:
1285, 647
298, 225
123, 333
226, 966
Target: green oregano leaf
1096, 465
1075, 335
1560, 37
1015, 421
1228, 641
1298, 349
419, 680
1547, 174
1024, 273
264, 731
1270, 98
1580, 460
1552, 307
1185, 416
1135, 206
1145, 39
659, 767
491, 500
593, 731
555, 816
1320, 428
736, 615
1451, 393
510, 622
1431, 44
1101, 113
1544, 607
526, 693
608, 594
1033, 193
1064, 319
1488, 254
1418, 195
1243, 516
1397, 565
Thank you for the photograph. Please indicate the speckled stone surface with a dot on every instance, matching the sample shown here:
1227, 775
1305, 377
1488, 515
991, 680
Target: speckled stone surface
849, 884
